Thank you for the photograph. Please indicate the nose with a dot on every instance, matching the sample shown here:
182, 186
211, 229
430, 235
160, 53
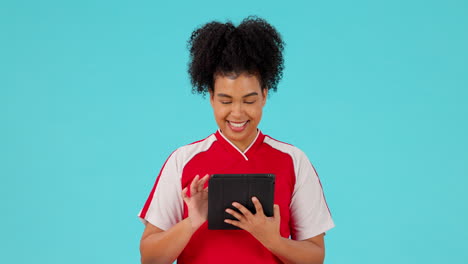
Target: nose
236, 110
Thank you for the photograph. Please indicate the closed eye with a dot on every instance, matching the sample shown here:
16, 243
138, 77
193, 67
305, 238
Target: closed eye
225, 102
250, 102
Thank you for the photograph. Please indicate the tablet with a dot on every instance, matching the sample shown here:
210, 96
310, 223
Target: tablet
224, 189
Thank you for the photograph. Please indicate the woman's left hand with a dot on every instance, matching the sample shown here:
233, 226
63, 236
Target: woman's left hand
264, 229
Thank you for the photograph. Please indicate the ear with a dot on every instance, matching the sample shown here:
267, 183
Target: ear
265, 95
211, 97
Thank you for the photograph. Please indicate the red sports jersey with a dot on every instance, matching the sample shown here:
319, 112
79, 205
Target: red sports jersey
298, 192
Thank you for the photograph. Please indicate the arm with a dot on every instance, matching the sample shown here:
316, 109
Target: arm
267, 231
154, 243
289, 251
160, 247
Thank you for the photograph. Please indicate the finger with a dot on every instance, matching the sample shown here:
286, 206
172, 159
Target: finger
243, 210
200, 186
206, 178
258, 205
202, 182
232, 222
193, 186
235, 214
184, 194
205, 193
276, 211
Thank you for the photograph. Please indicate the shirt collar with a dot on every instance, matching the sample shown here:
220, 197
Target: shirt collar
250, 149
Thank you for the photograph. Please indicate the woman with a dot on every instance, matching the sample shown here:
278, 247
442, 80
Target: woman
237, 66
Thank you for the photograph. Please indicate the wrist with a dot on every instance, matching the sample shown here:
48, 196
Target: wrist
194, 223
274, 242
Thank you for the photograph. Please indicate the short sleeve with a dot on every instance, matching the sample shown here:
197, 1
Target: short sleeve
164, 206
310, 214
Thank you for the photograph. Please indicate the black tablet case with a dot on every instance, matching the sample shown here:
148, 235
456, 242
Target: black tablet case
223, 189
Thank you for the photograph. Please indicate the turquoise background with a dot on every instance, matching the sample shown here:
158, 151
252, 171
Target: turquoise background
95, 95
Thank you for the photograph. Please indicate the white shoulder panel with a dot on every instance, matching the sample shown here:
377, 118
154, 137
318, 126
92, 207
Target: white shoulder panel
167, 206
309, 211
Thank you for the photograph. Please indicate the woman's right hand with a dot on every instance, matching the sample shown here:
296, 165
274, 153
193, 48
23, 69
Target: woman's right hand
197, 203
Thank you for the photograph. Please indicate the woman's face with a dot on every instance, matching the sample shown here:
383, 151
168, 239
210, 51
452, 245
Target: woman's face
237, 103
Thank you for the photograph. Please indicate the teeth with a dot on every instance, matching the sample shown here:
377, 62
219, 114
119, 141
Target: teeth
238, 124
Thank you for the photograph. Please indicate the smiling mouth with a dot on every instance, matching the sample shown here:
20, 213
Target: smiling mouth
237, 126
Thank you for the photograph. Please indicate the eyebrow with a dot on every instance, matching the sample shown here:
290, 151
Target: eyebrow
228, 96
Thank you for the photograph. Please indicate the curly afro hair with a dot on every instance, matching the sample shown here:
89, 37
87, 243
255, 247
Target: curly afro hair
254, 46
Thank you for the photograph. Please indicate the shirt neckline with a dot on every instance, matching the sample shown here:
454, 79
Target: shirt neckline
251, 147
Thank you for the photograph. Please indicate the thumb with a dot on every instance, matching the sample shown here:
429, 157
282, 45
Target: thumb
184, 195
276, 212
